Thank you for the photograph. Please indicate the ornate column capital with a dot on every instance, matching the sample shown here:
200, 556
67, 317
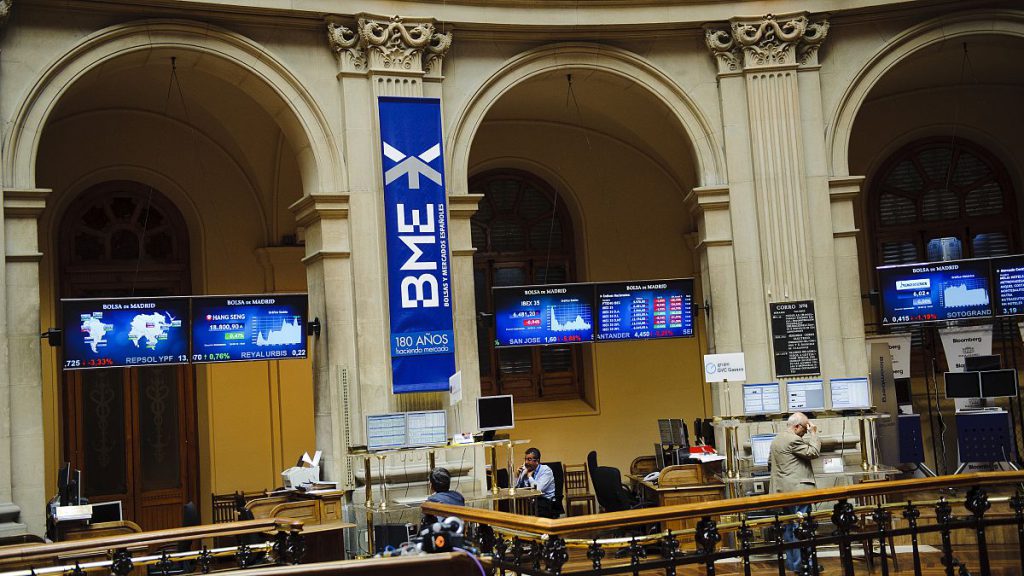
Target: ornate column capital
766, 42
389, 46
5, 10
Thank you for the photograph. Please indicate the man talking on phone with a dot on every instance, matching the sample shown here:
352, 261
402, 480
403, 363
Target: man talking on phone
790, 458
533, 474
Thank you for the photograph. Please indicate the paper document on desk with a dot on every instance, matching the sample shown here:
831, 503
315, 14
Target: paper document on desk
705, 458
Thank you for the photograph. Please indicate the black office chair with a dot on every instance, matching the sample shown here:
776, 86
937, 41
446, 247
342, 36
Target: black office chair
614, 497
556, 469
611, 494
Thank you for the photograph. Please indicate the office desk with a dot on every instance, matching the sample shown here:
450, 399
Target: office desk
321, 513
686, 484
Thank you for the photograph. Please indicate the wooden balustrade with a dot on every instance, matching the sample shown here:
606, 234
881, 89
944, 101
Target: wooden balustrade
572, 524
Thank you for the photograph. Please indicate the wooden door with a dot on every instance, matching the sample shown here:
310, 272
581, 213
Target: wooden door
131, 431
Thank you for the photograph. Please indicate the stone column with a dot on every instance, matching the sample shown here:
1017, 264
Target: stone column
781, 207
22, 418
329, 284
376, 56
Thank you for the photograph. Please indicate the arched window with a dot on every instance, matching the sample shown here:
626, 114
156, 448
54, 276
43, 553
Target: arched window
523, 235
939, 200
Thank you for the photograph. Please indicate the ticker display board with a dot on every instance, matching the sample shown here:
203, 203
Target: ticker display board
120, 332
927, 292
543, 315
253, 327
1008, 285
645, 309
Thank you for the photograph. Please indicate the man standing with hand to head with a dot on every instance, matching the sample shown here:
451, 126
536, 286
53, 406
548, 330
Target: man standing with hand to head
533, 474
790, 459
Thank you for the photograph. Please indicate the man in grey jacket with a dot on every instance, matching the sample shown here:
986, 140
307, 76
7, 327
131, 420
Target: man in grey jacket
790, 461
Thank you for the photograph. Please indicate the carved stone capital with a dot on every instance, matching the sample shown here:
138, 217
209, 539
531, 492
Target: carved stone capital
389, 46
5, 10
769, 41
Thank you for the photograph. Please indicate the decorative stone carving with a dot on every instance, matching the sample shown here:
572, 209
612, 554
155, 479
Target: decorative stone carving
392, 46
344, 43
766, 42
5, 10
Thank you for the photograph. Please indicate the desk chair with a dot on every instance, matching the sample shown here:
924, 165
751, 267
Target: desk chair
577, 488
614, 497
559, 474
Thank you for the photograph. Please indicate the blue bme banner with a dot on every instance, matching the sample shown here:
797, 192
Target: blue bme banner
416, 218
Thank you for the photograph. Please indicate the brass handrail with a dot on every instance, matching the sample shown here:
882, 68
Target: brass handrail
608, 520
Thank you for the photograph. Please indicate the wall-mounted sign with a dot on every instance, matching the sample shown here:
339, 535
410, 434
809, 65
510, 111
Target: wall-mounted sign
795, 338
722, 367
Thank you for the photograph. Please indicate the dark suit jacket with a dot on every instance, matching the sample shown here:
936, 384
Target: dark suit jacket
790, 459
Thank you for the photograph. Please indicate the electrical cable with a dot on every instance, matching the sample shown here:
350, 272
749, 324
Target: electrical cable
475, 559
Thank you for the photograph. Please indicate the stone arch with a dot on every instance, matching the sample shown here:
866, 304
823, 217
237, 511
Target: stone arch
942, 29
708, 155
267, 81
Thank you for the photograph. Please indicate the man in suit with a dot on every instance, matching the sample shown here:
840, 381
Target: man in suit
790, 461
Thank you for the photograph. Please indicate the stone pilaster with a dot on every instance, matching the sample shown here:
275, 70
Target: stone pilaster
461, 208
329, 279
22, 432
843, 194
378, 56
777, 177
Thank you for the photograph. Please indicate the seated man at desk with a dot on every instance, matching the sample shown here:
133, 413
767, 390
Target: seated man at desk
533, 474
441, 492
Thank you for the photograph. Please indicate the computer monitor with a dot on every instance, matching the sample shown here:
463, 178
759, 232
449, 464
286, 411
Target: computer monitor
63, 483
850, 393
427, 428
385, 431
665, 431
106, 512
659, 456
495, 413
761, 399
760, 447
962, 384
805, 395
999, 383
982, 363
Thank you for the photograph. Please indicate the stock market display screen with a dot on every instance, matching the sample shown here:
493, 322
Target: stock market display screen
1008, 280
645, 309
935, 291
540, 315
243, 328
119, 332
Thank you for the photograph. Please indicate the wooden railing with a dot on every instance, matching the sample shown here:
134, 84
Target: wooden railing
541, 546
280, 538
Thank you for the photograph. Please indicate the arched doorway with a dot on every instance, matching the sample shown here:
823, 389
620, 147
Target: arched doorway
130, 431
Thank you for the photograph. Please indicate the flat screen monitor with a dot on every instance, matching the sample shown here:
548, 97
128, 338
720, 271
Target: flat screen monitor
119, 332
427, 428
251, 327
543, 315
385, 431
962, 384
932, 291
106, 512
761, 399
982, 363
805, 395
760, 448
495, 412
850, 393
644, 309
1008, 285
665, 431
999, 384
